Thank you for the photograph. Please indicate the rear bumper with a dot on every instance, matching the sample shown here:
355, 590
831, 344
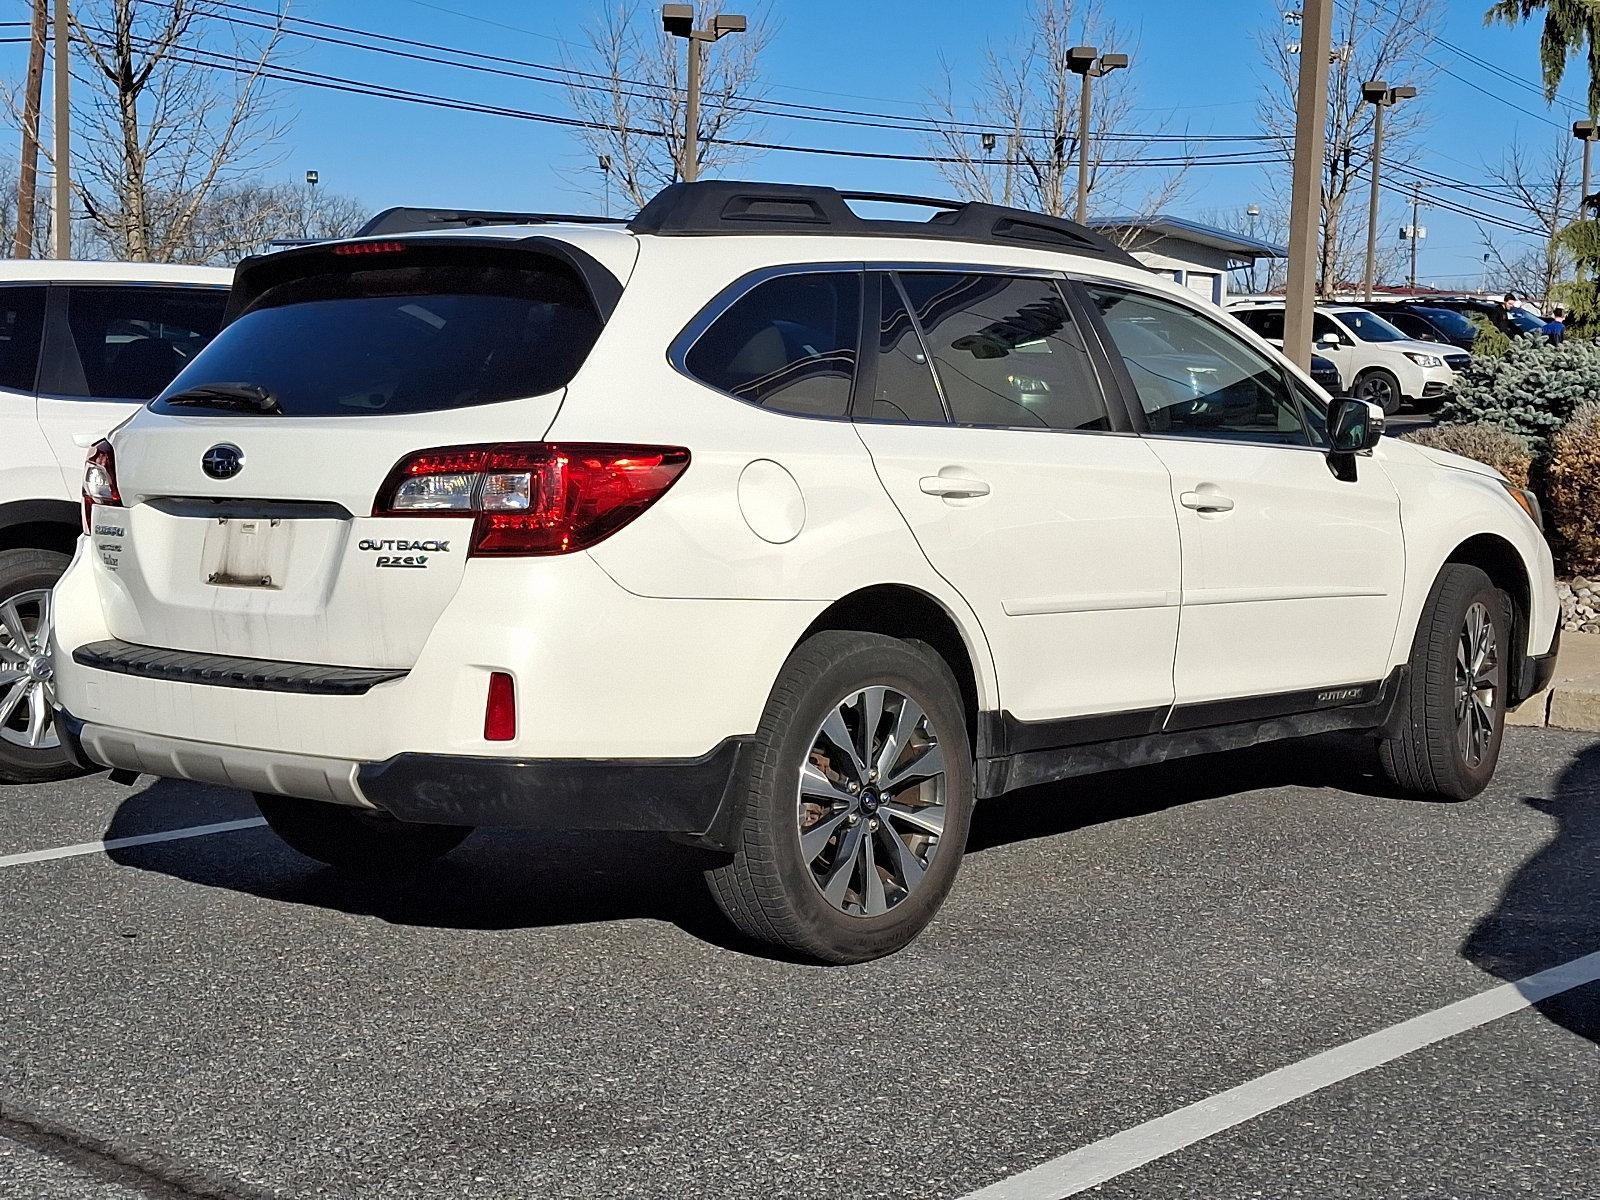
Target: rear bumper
690, 797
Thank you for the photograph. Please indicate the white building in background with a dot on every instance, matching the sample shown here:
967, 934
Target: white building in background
1198, 256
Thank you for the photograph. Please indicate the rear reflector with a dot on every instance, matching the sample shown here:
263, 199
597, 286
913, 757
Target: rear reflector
532, 498
500, 714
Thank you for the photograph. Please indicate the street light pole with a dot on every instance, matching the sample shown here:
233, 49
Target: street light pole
1310, 129
678, 20
1382, 97
1586, 132
1254, 213
1089, 63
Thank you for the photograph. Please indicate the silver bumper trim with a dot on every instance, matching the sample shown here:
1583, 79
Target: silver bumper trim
332, 780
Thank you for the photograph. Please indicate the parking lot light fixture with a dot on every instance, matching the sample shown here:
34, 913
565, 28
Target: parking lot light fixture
1587, 132
1088, 63
1382, 97
678, 21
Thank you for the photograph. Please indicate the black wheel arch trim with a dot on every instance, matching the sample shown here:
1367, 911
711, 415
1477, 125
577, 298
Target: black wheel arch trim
41, 512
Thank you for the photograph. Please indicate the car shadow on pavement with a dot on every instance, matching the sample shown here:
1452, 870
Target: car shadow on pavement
508, 879
1549, 911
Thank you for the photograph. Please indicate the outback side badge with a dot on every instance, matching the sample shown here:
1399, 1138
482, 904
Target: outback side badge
222, 461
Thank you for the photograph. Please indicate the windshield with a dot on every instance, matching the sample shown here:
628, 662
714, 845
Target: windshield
370, 342
1369, 327
1451, 324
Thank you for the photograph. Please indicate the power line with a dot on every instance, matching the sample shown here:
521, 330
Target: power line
761, 106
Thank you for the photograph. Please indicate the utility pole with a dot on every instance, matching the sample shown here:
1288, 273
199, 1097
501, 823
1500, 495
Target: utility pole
1382, 97
678, 20
62, 214
1089, 64
33, 91
1415, 231
1310, 127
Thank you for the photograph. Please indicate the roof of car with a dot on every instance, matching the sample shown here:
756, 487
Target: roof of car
56, 270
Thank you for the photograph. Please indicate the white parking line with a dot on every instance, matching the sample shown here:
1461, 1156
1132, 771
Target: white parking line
1094, 1164
142, 839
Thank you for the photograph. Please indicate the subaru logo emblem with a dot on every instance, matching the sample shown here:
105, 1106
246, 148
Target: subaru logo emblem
222, 461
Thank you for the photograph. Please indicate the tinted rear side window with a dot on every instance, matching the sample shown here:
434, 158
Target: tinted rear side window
1267, 322
21, 323
787, 344
131, 340
1006, 351
904, 390
404, 339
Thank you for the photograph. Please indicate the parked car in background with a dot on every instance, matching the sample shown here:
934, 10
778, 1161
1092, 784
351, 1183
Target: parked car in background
1512, 322
82, 345
1376, 361
772, 527
1326, 374
1427, 323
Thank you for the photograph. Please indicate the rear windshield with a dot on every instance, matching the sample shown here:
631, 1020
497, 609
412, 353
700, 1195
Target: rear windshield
402, 339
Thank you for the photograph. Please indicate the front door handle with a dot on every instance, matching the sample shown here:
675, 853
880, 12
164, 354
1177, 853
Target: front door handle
953, 487
1212, 502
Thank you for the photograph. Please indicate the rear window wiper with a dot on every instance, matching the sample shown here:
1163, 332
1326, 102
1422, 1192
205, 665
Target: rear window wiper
246, 397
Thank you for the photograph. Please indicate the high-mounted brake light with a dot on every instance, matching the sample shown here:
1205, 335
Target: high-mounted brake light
348, 248
99, 481
532, 498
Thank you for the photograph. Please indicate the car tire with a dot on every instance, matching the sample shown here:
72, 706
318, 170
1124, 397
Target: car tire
1381, 388
844, 852
1452, 713
358, 841
29, 753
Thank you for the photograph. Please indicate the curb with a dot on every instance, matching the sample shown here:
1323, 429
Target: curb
1572, 701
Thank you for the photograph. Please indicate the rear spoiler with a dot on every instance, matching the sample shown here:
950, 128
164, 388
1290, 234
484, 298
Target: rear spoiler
260, 273
393, 221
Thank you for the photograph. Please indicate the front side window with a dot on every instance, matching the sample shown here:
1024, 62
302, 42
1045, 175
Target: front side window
1006, 351
132, 340
1195, 378
21, 323
787, 344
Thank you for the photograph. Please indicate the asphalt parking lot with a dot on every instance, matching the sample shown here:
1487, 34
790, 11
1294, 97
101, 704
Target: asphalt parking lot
216, 1016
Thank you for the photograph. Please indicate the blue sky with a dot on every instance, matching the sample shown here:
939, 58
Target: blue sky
1197, 68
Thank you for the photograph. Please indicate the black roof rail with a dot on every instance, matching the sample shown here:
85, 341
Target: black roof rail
721, 206
419, 220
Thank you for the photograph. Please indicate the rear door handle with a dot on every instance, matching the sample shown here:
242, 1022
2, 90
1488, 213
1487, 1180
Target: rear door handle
953, 487
1206, 501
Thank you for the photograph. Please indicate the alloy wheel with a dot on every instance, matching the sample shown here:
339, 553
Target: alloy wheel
1477, 684
27, 677
871, 801
1376, 389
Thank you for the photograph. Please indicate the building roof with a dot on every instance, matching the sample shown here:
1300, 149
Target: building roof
1165, 225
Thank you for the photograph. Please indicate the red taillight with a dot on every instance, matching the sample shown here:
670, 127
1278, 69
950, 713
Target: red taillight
350, 248
99, 481
532, 498
500, 714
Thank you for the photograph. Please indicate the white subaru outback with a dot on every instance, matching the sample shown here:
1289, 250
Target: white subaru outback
772, 527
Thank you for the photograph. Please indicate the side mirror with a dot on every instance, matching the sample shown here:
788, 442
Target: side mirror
1330, 338
1354, 425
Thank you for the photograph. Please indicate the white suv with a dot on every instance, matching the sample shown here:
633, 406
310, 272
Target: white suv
771, 527
1378, 362
82, 345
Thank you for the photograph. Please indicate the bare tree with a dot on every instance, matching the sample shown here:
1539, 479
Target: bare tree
171, 108
240, 218
1372, 40
1544, 186
1272, 225
1012, 136
628, 88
